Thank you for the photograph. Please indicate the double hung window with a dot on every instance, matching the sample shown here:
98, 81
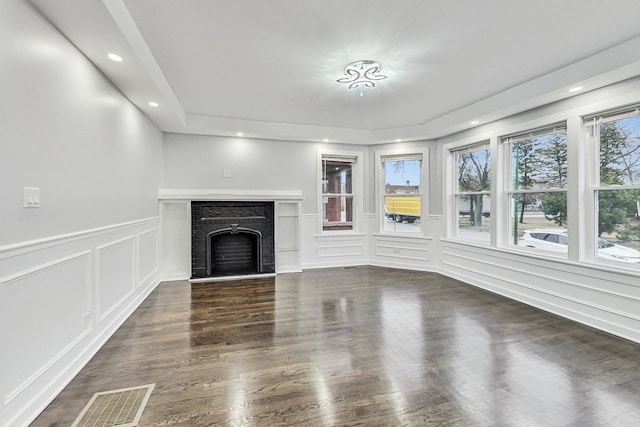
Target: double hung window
537, 194
402, 192
532, 193
617, 184
337, 192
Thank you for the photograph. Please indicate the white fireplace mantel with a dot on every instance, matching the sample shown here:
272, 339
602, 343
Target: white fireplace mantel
224, 195
175, 226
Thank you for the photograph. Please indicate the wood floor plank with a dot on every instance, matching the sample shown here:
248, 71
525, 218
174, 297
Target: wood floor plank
358, 346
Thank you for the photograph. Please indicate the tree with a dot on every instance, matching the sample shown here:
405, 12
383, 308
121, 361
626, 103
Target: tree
612, 143
612, 210
474, 174
554, 206
552, 170
474, 170
527, 159
619, 164
552, 155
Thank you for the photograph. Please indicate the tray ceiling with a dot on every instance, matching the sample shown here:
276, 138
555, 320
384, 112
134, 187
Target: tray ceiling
269, 68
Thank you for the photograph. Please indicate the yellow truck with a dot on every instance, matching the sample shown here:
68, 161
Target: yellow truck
402, 207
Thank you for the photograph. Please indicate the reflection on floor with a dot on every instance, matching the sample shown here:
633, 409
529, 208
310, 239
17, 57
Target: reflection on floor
365, 345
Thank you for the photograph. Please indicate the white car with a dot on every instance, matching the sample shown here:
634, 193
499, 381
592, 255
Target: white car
556, 240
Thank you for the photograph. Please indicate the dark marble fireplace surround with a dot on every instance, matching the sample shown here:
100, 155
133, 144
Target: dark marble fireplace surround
232, 238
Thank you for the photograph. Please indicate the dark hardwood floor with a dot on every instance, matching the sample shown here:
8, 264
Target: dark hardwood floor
358, 346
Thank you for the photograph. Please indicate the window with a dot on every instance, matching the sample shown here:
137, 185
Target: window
537, 193
401, 194
473, 192
337, 192
617, 185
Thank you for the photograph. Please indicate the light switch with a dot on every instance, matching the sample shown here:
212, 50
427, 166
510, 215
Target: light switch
227, 173
31, 197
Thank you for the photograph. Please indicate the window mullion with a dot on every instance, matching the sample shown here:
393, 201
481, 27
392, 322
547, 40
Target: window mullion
538, 190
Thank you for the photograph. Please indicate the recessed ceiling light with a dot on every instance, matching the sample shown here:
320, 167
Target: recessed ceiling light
239, 134
325, 140
474, 122
398, 140
576, 89
114, 57
154, 104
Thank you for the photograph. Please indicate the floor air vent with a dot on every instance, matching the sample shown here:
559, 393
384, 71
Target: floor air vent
115, 408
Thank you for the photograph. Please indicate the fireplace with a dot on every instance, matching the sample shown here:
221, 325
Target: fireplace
232, 238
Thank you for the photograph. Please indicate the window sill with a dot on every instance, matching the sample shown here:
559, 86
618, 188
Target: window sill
403, 235
340, 234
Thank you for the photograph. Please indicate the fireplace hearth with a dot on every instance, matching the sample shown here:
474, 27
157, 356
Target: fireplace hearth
232, 238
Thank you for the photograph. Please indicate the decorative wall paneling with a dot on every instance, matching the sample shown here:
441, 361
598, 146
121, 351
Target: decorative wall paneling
593, 295
115, 275
331, 250
61, 298
412, 252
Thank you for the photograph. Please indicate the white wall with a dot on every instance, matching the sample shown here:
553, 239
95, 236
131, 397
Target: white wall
198, 162
195, 161
72, 270
67, 131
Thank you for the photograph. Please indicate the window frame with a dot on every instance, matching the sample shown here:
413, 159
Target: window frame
506, 142
592, 124
580, 187
380, 192
357, 192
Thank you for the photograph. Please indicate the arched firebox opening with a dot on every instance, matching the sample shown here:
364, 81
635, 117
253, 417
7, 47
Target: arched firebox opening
234, 250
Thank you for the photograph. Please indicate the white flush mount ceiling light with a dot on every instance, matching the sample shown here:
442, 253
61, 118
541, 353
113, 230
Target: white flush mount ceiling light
114, 57
575, 89
153, 104
361, 74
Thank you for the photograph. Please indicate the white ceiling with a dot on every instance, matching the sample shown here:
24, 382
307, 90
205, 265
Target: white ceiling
269, 68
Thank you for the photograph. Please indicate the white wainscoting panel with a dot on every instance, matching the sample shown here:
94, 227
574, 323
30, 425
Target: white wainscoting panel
148, 247
592, 295
331, 249
116, 265
61, 298
402, 251
32, 303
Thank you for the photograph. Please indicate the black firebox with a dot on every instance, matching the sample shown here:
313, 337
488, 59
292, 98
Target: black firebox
231, 238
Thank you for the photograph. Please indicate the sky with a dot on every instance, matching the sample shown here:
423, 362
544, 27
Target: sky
398, 175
